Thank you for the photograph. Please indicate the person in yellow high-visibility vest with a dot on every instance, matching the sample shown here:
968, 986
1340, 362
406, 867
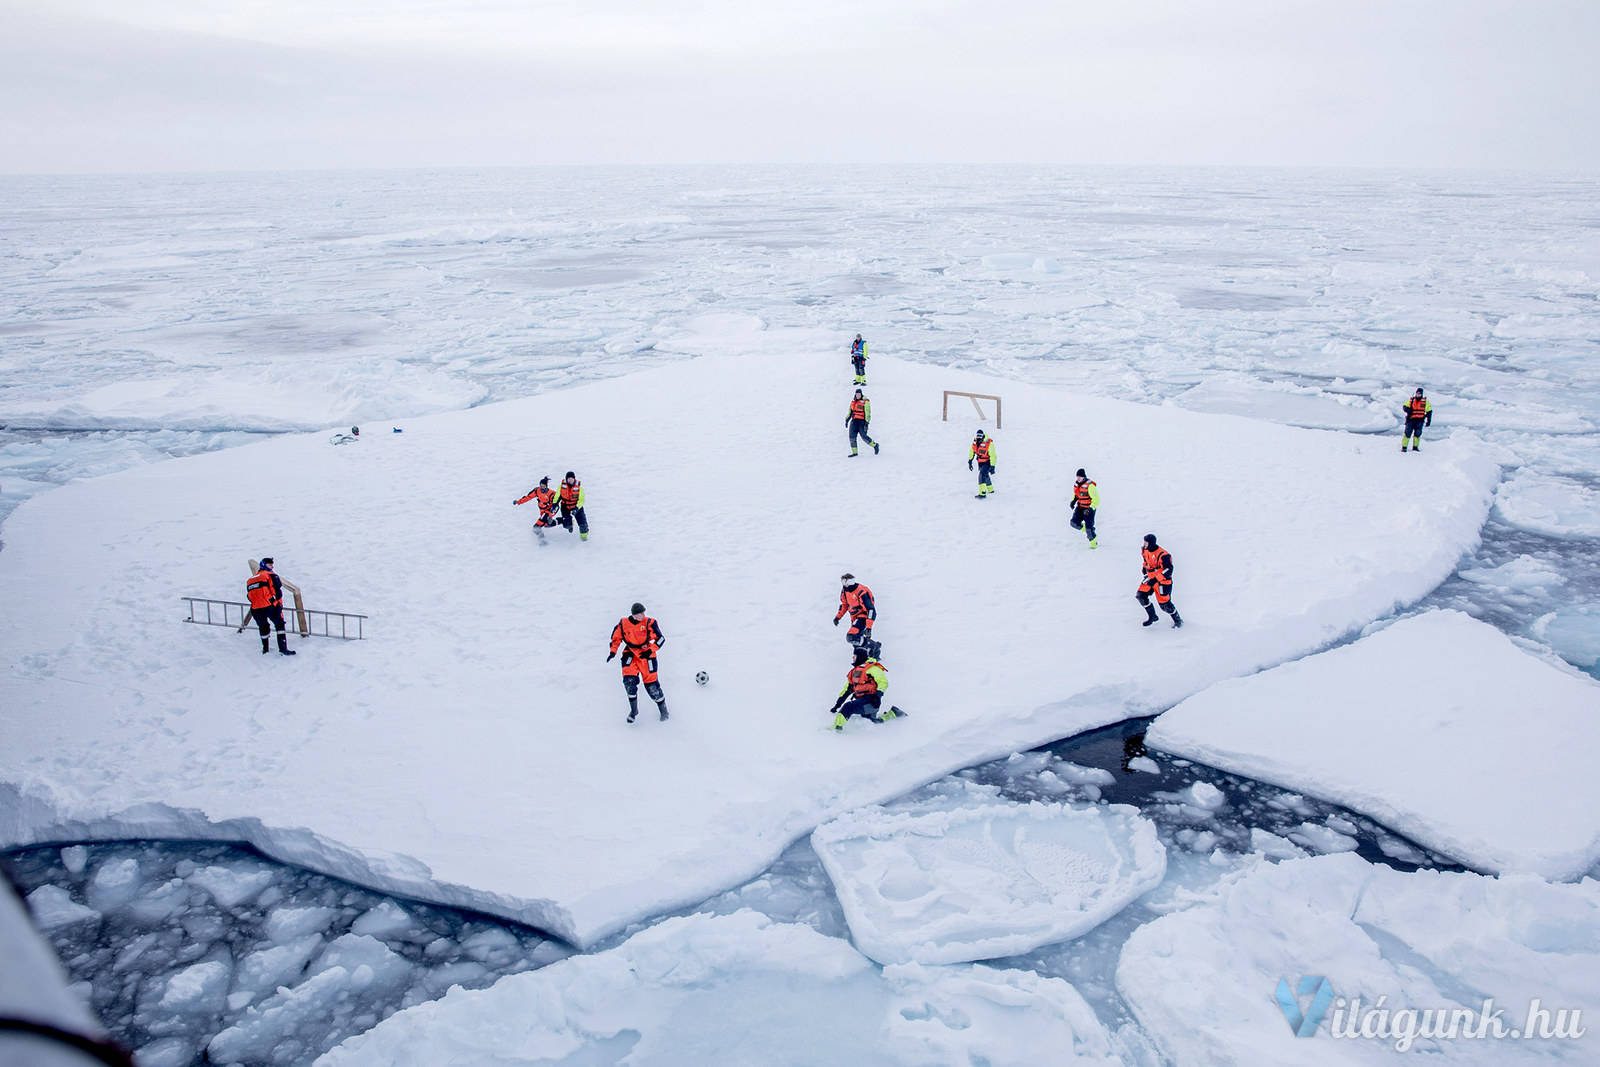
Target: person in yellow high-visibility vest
863, 692
1418, 413
982, 453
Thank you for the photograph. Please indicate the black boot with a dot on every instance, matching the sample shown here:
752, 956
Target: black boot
283, 647
1177, 620
633, 709
1151, 612
663, 708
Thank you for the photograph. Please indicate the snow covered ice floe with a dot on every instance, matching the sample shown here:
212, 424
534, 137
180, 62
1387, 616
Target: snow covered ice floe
986, 881
1202, 981
1438, 726
1545, 504
1292, 407
472, 750
741, 988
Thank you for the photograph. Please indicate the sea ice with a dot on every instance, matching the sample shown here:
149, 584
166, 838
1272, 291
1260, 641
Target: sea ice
451, 756
987, 881
53, 906
1203, 981
1550, 505
740, 988
1410, 726
1292, 407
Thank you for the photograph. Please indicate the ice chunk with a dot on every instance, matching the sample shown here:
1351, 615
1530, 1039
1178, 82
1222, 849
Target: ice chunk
1205, 795
199, 989
1144, 765
113, 884
386, 920
1318, 838
288, 761
291, 923
369, 961
232, 886
166, 1052
1332, 726
53, 907
1522, 573
1556, 507
74, 858
691, 989
266, 969
984, 882
1575, 635
162, 902
1203, 981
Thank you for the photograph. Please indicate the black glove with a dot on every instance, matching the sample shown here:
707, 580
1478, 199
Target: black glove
1428, 419
611, 657
969, 464
992, 468
836, 621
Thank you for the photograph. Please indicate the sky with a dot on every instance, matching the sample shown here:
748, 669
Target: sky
196, 85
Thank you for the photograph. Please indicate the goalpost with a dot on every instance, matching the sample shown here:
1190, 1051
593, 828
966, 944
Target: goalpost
948, 393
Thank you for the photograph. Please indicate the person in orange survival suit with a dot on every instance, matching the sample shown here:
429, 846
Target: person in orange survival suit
644, 639
1157, 580
547, 498
265, 590
570, 497
856, 599
863, 692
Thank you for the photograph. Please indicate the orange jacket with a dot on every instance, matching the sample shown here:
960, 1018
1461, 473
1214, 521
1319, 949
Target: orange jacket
1157, 564
544, 495
858, 601
642, 638
265, 589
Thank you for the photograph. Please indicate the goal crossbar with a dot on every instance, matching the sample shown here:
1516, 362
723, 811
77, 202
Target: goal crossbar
948, 393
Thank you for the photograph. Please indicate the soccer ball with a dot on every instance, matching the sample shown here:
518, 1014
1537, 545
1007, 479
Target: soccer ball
701, 677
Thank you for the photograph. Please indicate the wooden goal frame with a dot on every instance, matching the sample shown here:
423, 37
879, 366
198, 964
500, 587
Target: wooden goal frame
975, 397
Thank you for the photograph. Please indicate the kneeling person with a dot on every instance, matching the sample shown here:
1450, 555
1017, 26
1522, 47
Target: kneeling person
644, 639
863, 692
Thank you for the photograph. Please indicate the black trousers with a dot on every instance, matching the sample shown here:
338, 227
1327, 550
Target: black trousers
273, 615
568, 514
1414, 428
866, 706
1083, 519
858, 427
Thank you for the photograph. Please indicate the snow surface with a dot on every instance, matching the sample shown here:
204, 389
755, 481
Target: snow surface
1201, 981
1290, 406
740, 988
985, 881
472, 750
1437, 726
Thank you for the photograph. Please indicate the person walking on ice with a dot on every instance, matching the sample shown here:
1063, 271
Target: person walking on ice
547, 506
643, 638
1085, 501
982, 452
1418, 413
571, 500
863, 691
856, 421
1157, 580
856, 599
858, 358
265, 590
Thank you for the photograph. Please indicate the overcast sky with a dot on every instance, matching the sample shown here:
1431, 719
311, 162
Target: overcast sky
137, 85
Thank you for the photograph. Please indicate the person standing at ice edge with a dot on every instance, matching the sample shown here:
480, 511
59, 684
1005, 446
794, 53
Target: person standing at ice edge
857, 599
546, 497
863, 691
1418, 413
1157, 580
644, 639
265, 590
856, 421
1085, 501
982, 451
858, 357
571, 497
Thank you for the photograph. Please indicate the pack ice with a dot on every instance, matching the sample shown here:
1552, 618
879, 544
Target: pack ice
740, 988
472, 751
987, 881
1202, 981
1437, 726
